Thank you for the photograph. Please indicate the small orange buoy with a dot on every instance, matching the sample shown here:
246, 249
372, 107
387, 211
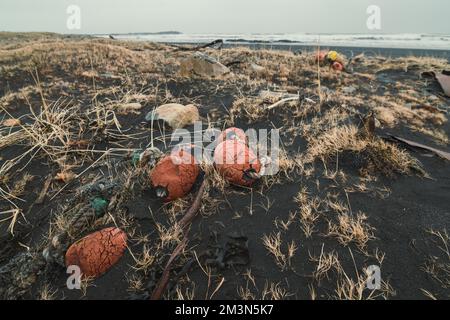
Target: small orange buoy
337, 66
232, 134
321, 56
174, 175
237, 163
98, 252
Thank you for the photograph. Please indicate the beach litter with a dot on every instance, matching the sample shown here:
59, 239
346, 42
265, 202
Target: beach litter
200, 64
334, 56
237, 163
174, 175
184, 224
320, 56
175, 115
444, 81
413, 144
216, 44
232, 134
96, 253
99, 205
442, 78
331, 58
337, 66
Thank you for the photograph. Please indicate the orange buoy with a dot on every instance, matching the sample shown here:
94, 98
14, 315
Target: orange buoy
174, 175
98, 252
321, 56
337, 66
232, 134
236, 162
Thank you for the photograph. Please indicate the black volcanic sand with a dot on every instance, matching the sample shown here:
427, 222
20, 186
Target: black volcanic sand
400, 220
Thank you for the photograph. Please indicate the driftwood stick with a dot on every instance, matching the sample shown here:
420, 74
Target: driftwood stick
162, 283
184, 224
192, 211
203, 46
281, 102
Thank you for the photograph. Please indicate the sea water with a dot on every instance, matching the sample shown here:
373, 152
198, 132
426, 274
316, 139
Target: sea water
403, 41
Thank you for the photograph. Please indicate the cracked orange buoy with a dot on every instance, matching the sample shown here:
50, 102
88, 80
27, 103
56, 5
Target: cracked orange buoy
337, 66
98, 252
237, 163
232, 134
174, 175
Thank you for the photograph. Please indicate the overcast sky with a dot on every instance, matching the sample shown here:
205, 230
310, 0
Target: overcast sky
226, 16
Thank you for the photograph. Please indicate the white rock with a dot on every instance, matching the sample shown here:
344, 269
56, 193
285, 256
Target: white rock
175, 115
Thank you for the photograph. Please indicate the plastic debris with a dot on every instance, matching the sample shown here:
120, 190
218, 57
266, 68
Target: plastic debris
175, 115
236, 162
442, 78
444, 81
135, 157
102, 188
334, 56
331, 58
232, 134
200, 64
174, 175
98, 252
99, 205
337, 66
440, 153
320, 56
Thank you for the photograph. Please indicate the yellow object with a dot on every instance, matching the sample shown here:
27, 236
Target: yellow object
332, 56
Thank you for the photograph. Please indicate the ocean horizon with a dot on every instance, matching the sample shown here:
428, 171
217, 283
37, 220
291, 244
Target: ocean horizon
400, 41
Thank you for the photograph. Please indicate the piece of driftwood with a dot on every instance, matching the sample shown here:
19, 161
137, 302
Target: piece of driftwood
444, 81
232, 63
281, 102
442, 78
440, 153
216, 43
184, 223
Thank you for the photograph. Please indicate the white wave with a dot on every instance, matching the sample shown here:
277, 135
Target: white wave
406, 41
